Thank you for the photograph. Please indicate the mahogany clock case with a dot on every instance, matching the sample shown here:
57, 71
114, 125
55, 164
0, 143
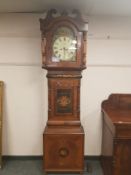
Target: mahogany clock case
63, 56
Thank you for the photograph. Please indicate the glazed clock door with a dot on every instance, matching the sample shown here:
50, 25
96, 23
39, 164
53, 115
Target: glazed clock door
63, 43
64, 47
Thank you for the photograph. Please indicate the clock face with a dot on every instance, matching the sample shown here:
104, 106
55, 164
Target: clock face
64, 45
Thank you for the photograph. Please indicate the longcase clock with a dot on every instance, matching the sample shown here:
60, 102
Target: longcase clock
64, 39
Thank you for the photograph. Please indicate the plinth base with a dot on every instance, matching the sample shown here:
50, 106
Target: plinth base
63, 149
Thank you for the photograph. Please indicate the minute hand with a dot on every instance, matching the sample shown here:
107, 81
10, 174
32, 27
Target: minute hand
65, 50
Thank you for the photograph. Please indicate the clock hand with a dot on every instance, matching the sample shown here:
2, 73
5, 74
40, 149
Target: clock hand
64, 53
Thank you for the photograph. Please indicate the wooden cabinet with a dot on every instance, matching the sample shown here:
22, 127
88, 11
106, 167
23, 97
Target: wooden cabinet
116, 141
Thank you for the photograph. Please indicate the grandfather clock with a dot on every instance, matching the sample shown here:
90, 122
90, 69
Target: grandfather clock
64, 57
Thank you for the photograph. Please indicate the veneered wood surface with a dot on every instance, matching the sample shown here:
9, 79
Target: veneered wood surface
116, 142
63, 149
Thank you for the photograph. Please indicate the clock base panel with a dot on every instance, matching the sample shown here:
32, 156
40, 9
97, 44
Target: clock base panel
63, 149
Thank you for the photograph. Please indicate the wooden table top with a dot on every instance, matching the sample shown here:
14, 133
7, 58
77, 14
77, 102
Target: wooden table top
118, 108
119, 116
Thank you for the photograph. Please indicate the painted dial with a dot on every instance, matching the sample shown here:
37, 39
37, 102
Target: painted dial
64, 45
64, 48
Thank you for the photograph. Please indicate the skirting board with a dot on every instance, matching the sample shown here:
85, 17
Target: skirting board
41, 157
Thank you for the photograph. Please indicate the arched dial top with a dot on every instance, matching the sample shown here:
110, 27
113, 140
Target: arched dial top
64, 45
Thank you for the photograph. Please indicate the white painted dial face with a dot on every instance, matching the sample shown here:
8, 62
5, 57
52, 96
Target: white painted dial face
64, 49
64, 45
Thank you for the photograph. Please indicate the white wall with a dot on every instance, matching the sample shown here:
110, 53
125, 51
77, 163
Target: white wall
25, 96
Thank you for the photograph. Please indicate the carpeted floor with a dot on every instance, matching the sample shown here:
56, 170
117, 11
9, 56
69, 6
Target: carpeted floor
34, 167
